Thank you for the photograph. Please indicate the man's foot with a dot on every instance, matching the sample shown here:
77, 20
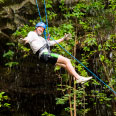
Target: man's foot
83, 79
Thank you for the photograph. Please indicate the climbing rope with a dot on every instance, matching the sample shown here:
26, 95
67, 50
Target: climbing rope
46, 16
41, 18
71, 54
38, 11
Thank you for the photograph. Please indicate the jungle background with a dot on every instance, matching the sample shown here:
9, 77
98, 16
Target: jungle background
31, 88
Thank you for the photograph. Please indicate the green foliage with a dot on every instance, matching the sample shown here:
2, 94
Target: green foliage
9, 56
102, 98
90, 40
3, 99
47, 114
93, 18
80, 94
2, 1
112, 5
11, 64
77, 11
23, 49
101, 58
58, 32
23, 31
50, 11
10, 44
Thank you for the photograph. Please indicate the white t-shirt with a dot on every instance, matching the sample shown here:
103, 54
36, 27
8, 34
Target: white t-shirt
36, 42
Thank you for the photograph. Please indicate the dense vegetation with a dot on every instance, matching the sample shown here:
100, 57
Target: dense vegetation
92, 25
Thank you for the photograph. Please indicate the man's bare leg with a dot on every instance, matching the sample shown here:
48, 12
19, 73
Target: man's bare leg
65, 63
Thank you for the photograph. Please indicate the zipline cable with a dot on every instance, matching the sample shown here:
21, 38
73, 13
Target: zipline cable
72, 55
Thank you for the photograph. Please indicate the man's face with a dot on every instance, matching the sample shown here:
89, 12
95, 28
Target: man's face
40, 30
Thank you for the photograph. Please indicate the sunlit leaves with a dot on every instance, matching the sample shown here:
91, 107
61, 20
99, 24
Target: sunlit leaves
10, 44
9, 55
47, 114
90, 40
3, 100
102, 57
11, 64
23, 31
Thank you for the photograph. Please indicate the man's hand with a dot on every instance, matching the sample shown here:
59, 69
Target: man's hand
22, 41
67, 36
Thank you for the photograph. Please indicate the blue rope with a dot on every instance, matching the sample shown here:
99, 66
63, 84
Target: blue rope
40, 18
38, 11
46, 20
46, 16
73, 56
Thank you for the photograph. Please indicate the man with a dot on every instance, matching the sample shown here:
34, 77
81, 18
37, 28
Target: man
40, 46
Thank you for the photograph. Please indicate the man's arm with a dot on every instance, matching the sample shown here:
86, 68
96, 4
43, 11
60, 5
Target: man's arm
66, 37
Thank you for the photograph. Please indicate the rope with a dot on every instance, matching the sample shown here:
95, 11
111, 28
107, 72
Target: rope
46, 16
46, 20
40, 16
74, 57
38, 11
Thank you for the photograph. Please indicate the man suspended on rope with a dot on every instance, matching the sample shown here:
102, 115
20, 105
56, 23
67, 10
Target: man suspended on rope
40, 47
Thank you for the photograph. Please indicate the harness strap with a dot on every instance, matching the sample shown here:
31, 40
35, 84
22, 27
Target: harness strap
48, 46
42, 48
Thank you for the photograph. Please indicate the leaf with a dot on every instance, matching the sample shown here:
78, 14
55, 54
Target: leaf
86, 48
10, 44
6, 105
11, 64
99, 47
8, 54
57, 68
102, 57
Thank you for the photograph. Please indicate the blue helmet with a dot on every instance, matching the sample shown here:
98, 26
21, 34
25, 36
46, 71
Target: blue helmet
40, 24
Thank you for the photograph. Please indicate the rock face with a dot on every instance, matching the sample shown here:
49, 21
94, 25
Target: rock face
14, 14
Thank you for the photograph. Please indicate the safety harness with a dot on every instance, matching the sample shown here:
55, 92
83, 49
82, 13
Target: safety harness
42, 48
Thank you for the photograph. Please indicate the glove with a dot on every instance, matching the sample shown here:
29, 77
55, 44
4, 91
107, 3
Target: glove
67, 36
